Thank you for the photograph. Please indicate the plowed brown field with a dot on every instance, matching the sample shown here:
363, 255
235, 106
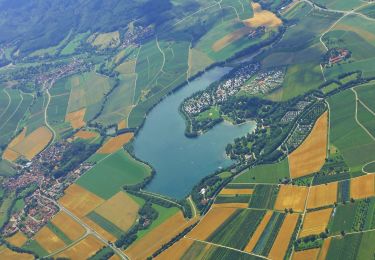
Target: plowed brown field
362, 187
68, 226
49, 240
83, 249
76, 118
322, 195
115, 143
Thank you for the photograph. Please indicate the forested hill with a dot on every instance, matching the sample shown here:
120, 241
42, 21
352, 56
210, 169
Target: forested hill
42, 23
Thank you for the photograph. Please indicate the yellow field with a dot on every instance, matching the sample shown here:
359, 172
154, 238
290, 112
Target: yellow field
122, 124
315, 222
48, 240
236, 191
121, 210
86, 134
79, 200
324, 250
11, 255
159, 236
115, 257
310, 156
101, 231
107, 40
28, 146
76, 118
115, 143
280, 246
322, 195
83, 249
311, 254
262, 18
176, 251
214, 218
18, 239
362, 187
231, 205
11, 155
127, 67
258, 232
291, 197
68, 226
230, 38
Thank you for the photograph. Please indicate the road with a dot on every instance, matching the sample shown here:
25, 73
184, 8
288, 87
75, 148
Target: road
356, 115
89, 231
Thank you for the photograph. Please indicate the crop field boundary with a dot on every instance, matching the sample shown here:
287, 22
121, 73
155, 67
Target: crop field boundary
9, 102
356, 115
226, 247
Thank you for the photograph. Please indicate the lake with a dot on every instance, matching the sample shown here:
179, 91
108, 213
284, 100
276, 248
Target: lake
181, 162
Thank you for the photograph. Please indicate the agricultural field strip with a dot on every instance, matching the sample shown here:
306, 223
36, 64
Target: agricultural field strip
227, 247
68, 246
328, 127
303, 217
135, 82
160, 197
196, 12
191, 202
15, 111
356, 115
89, 230
9, 102
46, 116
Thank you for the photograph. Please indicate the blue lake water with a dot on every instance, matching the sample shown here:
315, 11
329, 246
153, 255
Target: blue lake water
181, 162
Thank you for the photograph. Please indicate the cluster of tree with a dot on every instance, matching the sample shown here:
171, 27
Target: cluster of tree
273, 6
310, 242
212, 185
147, 215
70, 161
104, 253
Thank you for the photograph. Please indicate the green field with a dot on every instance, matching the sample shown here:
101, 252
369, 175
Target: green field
11, 118
211, 114
232, 199
346, 5
34, 246
5, 207
366, 118
370, 167
264, 196
108, 176
237, 230
355, 144
71, 47
366, 93
164, 215
368, 11
200, 250
367, 249
344, 248
88, 91
6, 168
268, 173
343, 218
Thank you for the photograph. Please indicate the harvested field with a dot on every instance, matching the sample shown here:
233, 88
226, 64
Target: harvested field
262, 18
49, 240
121, 210
76, 118
17, 239
86, 134
11, 155
258, 232
324, 250
158, 236
106, 40
11, 255
236, 191
291, 197
310, 156
310, 254
231, 205
115, 257
115, 143
83, 249
230, 38
315, 222
322, 195
122, 124
177, 250
68, 226
214, 218
80, 201
32, 144
101, 231
362, 187
284, 236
